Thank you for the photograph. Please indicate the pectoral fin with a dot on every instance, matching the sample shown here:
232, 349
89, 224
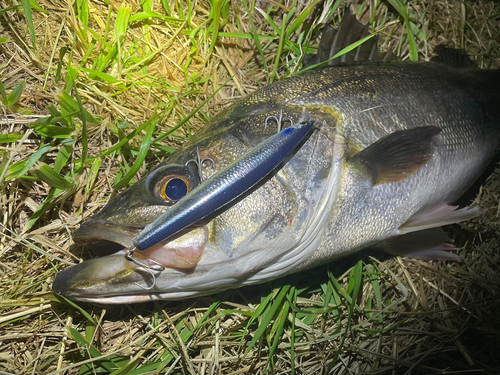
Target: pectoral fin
397, 156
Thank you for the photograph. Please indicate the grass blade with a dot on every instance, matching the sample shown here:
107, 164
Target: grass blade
84, 125
281, 319
72, 107
217, 14
300, 19
83, 11
73, 304
9, 138
53, 131
355, 281
64, 154
19, 169
143, 151
93, 173
62, 52
256, 38
105, 362
280, 48
47, 203
8, 9
29, 20
247, 36
343, 51
15, 94
3, 94
268, 315
46, 174
403, 11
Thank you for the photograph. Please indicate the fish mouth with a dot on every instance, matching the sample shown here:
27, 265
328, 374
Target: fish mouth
104, 238
111, 275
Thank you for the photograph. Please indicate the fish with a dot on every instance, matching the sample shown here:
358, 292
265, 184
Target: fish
397, 144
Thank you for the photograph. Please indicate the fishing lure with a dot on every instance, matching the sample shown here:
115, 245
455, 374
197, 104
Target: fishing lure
224, 186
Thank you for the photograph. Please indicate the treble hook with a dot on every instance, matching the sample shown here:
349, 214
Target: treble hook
281, 120
199, 163
157, 267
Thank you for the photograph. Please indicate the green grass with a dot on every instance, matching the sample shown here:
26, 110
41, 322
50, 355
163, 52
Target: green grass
283, 321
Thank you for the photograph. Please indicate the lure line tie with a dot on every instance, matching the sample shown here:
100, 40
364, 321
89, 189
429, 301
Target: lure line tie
157, 267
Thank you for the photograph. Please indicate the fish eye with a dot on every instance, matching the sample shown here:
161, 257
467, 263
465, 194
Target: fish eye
175, 189
170, 183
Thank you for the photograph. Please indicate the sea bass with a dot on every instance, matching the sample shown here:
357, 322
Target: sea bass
397, 143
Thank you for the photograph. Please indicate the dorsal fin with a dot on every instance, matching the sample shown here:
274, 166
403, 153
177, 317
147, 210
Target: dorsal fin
350, 31
455, 58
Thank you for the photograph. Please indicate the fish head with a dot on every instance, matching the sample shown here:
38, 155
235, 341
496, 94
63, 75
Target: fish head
262, 235
127, 214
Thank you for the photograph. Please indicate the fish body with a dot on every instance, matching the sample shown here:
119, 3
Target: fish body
397, 144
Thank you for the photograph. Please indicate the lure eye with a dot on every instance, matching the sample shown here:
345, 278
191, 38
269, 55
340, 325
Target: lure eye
170, 183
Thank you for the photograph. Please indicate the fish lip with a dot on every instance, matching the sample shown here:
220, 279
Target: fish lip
95, 234
61, 282
70, 283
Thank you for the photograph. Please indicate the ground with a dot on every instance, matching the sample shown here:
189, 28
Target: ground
151, 74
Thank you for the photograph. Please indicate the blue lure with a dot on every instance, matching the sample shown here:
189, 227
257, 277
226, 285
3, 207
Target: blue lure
224, 186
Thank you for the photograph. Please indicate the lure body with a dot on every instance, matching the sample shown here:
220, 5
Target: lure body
224, 186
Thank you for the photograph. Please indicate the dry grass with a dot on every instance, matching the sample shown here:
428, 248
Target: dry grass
409, 316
